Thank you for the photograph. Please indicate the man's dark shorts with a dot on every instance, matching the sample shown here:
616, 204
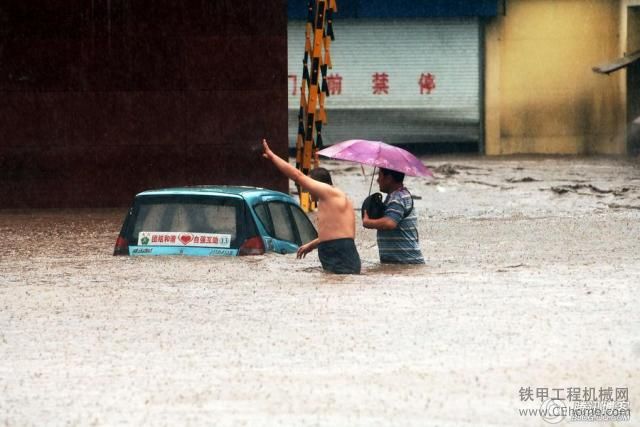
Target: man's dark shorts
339, 256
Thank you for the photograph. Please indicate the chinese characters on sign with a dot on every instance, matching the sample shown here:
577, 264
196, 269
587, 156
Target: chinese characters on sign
575, 394
156, 238
294, 80
162, 239
427, 83
579, 404
335, 83
380, 83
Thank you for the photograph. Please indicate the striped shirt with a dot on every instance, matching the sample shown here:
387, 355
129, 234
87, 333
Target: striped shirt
400, 245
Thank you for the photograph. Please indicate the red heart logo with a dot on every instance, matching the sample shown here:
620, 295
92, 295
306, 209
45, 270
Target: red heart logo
185, 238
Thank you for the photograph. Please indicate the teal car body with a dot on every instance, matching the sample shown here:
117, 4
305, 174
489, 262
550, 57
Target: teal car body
213, 221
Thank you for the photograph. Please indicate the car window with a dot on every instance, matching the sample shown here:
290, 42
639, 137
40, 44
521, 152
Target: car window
282, 225
195, 215
263, 215
305, 228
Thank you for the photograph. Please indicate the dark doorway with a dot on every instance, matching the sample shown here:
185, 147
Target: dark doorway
633, 82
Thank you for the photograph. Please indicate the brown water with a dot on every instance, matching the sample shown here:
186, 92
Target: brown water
531, 281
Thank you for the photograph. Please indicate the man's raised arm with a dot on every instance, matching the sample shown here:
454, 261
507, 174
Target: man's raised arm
318, 190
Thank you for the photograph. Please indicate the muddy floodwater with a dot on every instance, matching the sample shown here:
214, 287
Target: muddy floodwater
532, 281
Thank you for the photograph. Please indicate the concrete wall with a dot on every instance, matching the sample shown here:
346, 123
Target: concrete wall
102, 99
541, 95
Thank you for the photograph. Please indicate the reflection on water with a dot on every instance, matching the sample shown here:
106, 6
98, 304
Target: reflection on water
395, 269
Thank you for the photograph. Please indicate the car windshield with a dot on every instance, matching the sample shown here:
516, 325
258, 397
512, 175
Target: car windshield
190, 214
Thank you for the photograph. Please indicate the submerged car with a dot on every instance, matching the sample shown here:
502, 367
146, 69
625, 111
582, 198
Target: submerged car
213, 220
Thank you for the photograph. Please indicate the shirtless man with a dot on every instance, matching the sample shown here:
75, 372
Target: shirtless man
336, 218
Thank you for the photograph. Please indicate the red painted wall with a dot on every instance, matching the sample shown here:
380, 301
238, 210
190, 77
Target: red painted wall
102, 99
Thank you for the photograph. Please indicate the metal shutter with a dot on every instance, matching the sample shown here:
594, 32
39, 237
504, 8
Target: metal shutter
404, 50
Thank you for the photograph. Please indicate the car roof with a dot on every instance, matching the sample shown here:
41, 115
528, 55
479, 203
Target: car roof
214, 190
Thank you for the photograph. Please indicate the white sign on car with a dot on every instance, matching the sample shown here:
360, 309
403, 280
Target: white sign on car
168, 238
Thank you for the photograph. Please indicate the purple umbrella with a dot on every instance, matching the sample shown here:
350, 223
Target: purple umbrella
378, 154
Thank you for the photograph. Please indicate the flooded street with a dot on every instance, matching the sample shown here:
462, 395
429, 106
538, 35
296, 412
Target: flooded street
531, 281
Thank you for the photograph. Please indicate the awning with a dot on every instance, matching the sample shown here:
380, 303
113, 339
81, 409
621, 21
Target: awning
617, 64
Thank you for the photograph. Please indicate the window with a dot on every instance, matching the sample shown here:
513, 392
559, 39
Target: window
305, 228
282, 224
286, 221
263, 215
188, 214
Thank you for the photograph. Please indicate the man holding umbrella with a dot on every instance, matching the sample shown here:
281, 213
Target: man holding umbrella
397, 228
398, 240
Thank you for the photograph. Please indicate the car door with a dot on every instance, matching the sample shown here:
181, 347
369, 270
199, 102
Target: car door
286, 224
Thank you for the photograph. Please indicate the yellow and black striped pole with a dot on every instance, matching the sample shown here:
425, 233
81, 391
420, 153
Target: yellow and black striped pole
311, 115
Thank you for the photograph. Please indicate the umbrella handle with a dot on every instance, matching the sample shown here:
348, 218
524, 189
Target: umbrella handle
372, 175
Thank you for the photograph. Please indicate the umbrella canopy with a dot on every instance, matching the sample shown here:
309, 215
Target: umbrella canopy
378, 154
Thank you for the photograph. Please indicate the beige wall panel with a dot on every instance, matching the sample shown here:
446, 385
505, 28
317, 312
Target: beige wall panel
550, 99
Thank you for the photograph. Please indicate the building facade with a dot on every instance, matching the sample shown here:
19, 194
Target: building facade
504, 76
541, 93
403, 72
102, 99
